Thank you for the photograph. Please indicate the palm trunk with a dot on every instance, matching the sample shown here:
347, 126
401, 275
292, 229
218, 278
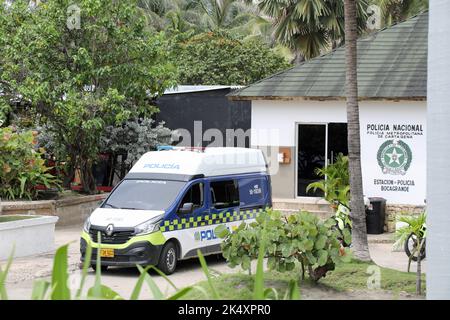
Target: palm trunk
357, 214
419, 268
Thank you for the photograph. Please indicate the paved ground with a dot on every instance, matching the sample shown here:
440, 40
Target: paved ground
24, 270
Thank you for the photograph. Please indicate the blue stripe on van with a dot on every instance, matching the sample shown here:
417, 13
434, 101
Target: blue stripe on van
210, 219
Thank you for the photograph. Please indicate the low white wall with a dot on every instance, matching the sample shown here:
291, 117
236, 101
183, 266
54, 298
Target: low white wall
27, 237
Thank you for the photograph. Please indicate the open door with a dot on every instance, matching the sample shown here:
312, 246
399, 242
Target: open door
317, 145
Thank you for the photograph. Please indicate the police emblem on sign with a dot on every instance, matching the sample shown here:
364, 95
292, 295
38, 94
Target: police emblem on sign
394, 157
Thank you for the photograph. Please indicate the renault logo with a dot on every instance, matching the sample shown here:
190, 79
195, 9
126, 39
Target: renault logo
109, 230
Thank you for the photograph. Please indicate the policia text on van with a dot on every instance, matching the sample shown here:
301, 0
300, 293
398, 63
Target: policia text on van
169, 204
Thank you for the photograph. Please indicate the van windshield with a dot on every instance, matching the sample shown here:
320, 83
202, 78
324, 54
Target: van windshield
144, 194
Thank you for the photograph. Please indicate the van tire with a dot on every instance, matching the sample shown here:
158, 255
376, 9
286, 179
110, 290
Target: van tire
168, 258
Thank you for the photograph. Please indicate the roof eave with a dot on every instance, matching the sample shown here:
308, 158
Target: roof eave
329, 98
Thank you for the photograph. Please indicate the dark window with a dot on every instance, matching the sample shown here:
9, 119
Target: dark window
194, 195
225, 194
144, 194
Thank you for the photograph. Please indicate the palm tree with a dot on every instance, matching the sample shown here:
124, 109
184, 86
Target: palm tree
393, 11
198, 15
223, 14
357, 210
311, 27
174, 15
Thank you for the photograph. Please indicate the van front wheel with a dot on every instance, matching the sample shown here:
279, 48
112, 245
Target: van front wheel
168, 258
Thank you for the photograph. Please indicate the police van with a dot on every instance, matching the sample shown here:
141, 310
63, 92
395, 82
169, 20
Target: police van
168, 205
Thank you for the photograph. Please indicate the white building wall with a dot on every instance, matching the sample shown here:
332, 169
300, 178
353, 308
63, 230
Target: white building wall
409, 187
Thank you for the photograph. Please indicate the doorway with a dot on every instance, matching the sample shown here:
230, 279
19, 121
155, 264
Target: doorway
317, 146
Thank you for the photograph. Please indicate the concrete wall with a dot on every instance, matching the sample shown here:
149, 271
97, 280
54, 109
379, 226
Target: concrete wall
71, 211
27, 237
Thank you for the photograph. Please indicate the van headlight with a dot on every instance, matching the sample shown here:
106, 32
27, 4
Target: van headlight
87, 225
149, 226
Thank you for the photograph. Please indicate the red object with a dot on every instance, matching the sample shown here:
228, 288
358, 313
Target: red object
99, 188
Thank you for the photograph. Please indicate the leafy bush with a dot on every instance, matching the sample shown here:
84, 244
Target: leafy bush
134, 138
218, 58
299, 238
58, 288
22, 168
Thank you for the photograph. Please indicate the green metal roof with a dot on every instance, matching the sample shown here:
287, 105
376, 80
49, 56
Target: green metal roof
392, 64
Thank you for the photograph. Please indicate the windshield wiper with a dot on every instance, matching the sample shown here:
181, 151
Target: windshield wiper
112, 206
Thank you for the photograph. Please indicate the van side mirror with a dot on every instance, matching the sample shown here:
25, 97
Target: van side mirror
186, 208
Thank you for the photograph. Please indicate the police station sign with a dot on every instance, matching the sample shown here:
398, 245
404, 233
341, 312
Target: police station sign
393, 159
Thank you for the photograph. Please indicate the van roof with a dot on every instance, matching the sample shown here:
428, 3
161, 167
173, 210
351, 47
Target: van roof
197, 161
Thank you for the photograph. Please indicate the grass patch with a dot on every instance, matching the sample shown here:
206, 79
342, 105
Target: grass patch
347, 276
14, 218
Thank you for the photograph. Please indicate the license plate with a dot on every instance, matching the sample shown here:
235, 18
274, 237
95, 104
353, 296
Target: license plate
107, 253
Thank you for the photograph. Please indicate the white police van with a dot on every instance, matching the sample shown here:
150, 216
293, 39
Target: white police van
169, 204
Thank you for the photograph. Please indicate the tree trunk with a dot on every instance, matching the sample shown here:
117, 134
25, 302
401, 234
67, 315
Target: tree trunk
87, 177
419, 267
359, 232
69, 172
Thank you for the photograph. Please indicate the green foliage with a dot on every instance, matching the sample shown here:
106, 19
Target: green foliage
414, 225
219, 58
79, 80
3, 274
335, 182
394, 11
198, 16
311, 27
208, 275
58, 288
335, 185
22, 167
298, 239
134, 138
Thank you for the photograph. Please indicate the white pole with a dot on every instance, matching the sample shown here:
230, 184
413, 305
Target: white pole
438, 152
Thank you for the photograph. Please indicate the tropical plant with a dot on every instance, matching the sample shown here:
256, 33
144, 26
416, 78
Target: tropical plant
219, 58
199, 15
335, 182
223, 14
310, 27
413, 231
22, 167
169, 15
357, 209
394, 11
58, 289
299, 239
81, 78
335, 185
259, 290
